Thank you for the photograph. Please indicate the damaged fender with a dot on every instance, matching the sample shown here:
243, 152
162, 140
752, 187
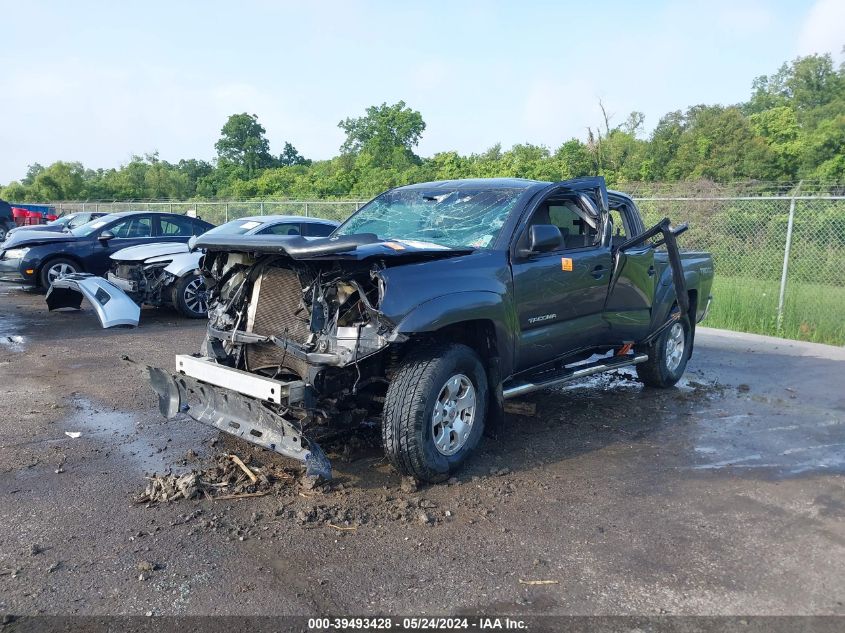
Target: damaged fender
110, 303
183, 263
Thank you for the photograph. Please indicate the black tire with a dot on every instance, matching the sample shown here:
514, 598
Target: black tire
408, 422
53, 266
663, 367
189, 297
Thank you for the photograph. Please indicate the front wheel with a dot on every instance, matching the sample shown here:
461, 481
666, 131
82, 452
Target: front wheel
56, 268
667, 356
190, 297
434, 411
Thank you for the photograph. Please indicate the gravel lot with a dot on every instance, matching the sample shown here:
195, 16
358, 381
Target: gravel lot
722, 496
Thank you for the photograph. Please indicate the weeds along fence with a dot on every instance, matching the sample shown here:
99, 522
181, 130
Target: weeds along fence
780, 261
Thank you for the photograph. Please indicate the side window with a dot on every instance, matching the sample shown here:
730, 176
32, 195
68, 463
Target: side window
281, 229
620, 233
317, 230
576, 227
79, 220
133, 228
176, 227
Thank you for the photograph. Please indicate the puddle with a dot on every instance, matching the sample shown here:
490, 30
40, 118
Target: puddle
709, 426
9, 337
10, 325
785, 445
120, 430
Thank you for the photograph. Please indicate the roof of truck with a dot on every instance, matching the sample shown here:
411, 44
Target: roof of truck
478, 183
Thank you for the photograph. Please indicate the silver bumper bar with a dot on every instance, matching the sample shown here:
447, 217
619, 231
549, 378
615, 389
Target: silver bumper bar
237, 402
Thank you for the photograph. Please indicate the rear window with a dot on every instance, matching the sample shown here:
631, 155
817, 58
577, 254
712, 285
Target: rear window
178, 227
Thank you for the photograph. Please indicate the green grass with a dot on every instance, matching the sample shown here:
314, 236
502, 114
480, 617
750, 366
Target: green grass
812, 312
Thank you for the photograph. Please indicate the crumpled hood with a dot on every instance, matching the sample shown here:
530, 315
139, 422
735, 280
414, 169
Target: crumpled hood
19, 239
147, 251
365, 246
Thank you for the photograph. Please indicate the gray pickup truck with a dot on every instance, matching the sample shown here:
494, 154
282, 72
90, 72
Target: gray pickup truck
427, 309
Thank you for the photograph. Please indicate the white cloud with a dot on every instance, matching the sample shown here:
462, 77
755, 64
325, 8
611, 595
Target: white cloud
823, 30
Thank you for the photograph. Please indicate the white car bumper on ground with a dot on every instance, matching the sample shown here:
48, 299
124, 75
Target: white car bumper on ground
110, 303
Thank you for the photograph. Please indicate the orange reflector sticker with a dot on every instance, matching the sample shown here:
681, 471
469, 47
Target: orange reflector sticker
566, 263
394, 246
30, 271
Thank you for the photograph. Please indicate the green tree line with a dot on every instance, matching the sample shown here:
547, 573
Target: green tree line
791, 128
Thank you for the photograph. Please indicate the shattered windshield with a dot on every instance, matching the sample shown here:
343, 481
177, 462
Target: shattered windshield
463, 218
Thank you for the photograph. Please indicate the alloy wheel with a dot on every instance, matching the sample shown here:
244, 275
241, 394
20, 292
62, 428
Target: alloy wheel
454, 413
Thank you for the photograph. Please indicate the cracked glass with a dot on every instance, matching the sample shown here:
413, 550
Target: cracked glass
460, 218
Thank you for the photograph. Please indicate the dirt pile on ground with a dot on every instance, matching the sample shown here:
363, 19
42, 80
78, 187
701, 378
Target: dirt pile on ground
228, 477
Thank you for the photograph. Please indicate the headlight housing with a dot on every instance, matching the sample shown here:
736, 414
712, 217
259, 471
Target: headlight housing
16, 253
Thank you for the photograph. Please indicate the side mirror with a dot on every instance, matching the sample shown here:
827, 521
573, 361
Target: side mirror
543, 238
105, 236
192, 243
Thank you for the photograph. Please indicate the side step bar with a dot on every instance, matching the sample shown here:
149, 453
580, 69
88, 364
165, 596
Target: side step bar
581, 371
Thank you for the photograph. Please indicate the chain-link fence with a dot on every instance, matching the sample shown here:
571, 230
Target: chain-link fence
779, 260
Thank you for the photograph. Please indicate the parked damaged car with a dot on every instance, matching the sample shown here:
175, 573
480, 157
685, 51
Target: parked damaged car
428, 308
168, 274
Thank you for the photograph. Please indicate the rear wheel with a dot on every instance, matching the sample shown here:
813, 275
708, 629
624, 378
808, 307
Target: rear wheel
434, 411
667, 357
56, 268
190, 297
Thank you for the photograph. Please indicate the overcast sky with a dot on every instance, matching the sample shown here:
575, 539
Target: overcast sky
99, 81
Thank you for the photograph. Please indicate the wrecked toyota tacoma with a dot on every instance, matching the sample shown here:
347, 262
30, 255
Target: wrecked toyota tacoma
428, 308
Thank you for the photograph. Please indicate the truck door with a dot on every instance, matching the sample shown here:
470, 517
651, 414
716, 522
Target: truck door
630, 294
561, 291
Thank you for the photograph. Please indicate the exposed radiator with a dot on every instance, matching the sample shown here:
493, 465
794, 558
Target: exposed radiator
275, 311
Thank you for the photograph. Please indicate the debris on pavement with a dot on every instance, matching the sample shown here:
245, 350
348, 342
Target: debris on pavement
538, 582
244, 468
145, 565
229, 477
520, 408
409, 485
73, 434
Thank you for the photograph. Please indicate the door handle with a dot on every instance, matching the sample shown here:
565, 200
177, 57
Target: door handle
598, 272
651, 271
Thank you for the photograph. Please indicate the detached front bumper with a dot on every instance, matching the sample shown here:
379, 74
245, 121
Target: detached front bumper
236, 402
110, 303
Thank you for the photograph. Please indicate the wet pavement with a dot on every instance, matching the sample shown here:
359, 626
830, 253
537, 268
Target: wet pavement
724, 495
